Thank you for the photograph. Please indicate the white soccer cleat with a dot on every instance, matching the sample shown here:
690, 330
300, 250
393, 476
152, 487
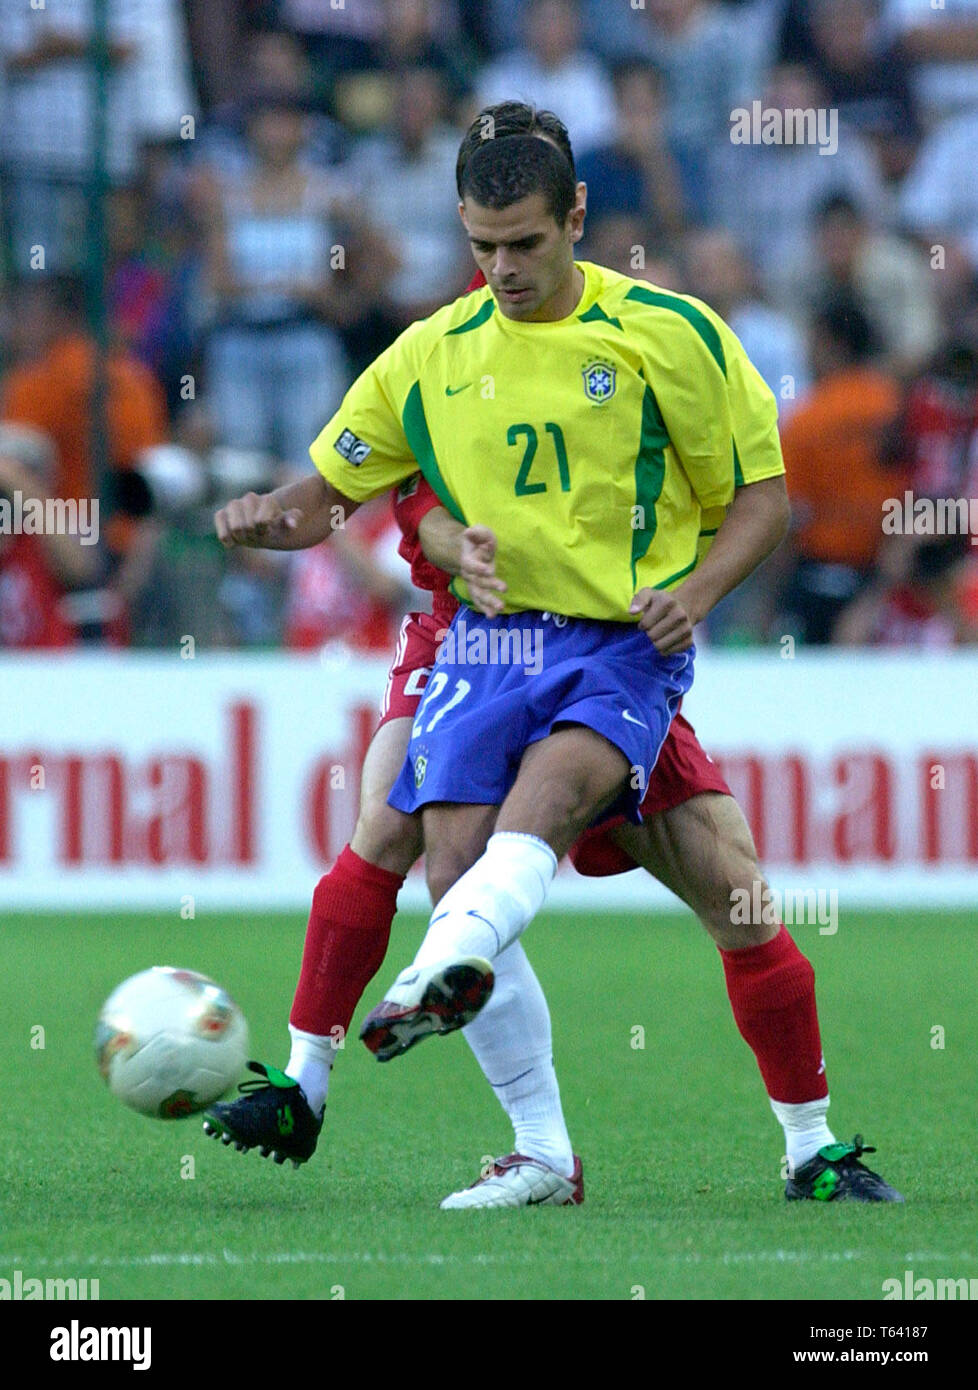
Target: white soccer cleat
518, 1181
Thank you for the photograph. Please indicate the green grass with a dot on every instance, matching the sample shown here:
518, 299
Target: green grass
681, 1151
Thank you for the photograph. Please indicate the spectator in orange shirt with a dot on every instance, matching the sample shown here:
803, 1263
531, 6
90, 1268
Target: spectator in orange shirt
50, 385
837, 446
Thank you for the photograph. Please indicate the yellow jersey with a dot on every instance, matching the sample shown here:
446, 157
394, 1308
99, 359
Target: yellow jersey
602, 448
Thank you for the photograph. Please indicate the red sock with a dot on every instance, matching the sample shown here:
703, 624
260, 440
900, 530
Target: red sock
772, 993
346, 941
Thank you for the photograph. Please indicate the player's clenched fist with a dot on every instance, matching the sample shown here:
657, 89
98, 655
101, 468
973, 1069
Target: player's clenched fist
255, 520
664, 619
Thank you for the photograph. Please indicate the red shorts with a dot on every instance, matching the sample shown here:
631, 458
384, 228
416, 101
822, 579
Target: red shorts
683, 770
414, 656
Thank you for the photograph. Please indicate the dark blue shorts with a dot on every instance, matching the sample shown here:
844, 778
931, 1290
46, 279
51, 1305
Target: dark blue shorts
500, 684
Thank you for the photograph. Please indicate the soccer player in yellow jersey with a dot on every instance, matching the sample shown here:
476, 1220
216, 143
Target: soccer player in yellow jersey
600, 427
529, 710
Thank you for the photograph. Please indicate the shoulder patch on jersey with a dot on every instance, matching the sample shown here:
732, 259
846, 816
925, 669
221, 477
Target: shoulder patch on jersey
352, 448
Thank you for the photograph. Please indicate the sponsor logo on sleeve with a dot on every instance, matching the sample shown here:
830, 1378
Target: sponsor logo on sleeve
352, 448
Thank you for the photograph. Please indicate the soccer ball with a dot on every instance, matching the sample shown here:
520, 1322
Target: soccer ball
168, 1042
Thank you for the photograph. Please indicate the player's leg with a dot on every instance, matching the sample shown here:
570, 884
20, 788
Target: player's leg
346, 940
347, 937
512, 1042
599, 707
485, 900
702, 849
488, 876
350, 920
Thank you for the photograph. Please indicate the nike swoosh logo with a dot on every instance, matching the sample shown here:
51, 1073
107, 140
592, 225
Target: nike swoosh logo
408, 981
450, 392
632, 720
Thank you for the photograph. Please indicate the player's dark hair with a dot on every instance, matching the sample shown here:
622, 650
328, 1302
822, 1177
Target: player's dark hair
505, 171
511, 118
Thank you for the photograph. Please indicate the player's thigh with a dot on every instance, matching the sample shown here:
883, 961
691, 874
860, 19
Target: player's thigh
454, 838
383, 836
703, 851
564, 781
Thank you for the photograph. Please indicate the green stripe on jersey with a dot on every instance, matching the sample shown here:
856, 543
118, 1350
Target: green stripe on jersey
477, 319
597, 315
738, 471
650, 474
419, 442
690, 313
680, 574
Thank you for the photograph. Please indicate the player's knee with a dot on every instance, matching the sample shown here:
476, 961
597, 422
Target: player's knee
386, 837
745, 914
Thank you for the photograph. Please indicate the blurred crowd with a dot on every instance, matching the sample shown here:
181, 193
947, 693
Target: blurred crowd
279, 204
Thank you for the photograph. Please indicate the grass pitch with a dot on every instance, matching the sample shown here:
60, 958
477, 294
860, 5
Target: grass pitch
681, 1153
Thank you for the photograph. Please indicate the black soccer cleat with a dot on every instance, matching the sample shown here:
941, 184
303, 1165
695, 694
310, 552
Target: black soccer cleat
836, 1175
271, 1115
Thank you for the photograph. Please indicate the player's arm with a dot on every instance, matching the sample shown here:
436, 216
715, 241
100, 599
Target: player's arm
469, 552
360, 453
731, 451
756, 523
293, 517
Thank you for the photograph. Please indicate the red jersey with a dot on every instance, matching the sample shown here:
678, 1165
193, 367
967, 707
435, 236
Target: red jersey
325, 601
909, 618
29, 595
941, 427
412, 500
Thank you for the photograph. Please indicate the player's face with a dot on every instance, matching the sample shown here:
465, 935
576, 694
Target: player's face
527, 259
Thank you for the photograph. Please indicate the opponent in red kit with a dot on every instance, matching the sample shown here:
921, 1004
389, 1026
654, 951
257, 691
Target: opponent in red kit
694, 839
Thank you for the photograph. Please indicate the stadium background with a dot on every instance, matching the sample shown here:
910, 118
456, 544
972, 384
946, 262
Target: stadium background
213, 216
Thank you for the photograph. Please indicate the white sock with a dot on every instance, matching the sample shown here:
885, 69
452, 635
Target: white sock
489, 906
310, 1063
512, 1043
805, 1129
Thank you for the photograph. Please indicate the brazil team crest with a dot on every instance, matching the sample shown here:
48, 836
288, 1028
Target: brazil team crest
420, 768
599, 381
